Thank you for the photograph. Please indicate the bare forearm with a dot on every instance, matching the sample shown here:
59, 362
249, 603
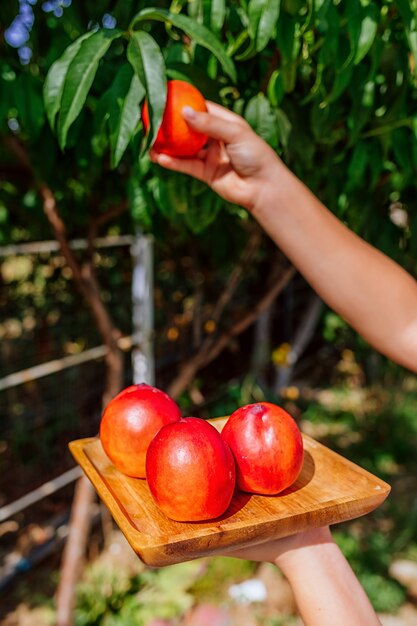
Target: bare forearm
375, 295
325, 588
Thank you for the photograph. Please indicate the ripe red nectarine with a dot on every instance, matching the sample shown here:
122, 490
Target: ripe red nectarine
175, 137
190, 471
267, 446
129, 423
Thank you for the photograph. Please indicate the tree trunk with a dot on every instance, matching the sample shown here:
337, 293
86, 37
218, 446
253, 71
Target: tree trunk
86, 282
303, 336
212, 348
74, 551
80, 522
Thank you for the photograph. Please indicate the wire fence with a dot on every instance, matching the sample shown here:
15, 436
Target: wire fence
51, 361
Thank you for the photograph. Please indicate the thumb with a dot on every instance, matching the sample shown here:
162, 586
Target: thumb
211, 125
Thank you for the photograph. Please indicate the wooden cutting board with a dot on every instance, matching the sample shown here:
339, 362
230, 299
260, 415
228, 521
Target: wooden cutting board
330, 489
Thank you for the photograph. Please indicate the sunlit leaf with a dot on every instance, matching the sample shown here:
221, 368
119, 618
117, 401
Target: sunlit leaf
148, 63
275, 88
139, 204
126, 94
263, 16
367, 36
217, 14
80, 77
54, 82
261, 117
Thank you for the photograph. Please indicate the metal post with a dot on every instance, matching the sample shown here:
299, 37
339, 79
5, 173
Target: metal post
142, 303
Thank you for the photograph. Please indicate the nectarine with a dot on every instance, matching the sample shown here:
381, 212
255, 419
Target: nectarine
267, 446
175, 137
129, 423
190, 471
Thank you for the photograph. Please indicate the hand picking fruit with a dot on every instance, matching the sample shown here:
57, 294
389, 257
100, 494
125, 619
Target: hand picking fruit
175, 137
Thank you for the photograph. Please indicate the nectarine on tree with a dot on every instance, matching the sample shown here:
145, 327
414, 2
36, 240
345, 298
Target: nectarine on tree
175, 137
129, 423
267, 445
190, 471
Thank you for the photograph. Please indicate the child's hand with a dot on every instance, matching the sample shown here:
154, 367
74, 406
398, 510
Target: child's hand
282, 551
236, 163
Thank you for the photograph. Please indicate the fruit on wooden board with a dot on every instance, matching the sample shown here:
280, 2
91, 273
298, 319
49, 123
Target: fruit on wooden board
190, 471
129, 423
267, 445
175, 137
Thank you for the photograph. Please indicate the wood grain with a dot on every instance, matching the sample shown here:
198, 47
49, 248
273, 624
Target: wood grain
329, 490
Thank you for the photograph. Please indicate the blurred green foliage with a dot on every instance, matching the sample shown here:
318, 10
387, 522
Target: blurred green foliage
109, 597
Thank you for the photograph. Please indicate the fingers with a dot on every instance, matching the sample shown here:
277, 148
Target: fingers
223, 113
217, 124
192, 167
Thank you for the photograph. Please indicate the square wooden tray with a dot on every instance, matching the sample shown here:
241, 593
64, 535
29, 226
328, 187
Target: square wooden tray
329, 490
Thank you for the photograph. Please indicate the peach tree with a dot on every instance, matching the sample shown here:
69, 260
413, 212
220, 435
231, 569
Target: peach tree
330, 85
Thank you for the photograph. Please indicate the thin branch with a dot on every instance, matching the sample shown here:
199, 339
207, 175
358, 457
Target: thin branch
87, 283
101, 219
225, 297
51, 211
251, 317
234, 278
209, 352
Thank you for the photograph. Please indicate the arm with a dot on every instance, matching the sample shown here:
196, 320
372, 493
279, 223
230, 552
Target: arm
371, 292
325, 588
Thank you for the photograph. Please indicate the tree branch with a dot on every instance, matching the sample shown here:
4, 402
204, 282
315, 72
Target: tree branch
209, 351
237, 272
101, 219
86, 281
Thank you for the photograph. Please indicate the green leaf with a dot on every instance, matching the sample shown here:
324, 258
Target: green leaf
287, 38
217, 14
146, 59
267, 23
275, 88
55, 79
284, 127
201, 210
139, 203
261, 117
357, 165
341, 82
366, 38
195, 10
409, 16
126, 94
401, 146
28, 102
321, 6
254, 15
80, 77
197, 32
263, 16
170, 195
375, 163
